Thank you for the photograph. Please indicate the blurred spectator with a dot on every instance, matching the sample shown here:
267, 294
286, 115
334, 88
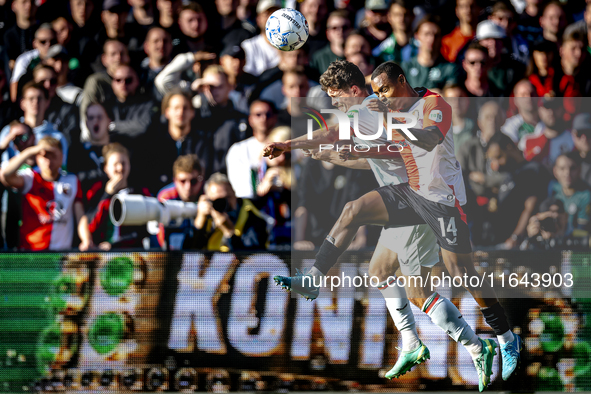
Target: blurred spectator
114, 17
573, 81
315, 12
62, 115
7, 108
503, 14
504, 71
141, 15
86, 158
217, 221
132, 112
467, 12
97, 221
232, 60
52, 199
63, 30
571, 190
355, 42
274, 191
44, 38
464, 127
84, 47
244, 157
528, 24
375, 25
260, 54
428, 69
553, 21
581, 133
158, 47
19, 137
187, 184
472, 155
547, 229
233, 30
541, 69
59, 60
364, 64
522, 186
98, 87
295, 89
517, 126
181, 72
34, 103
246, 11
168, 15
550, 138
219, 124
476, 64
19, 38
400, 46
337, 28
180, 138
194, 36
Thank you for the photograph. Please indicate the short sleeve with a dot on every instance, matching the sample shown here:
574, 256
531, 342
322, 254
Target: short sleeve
28, 177
437, 112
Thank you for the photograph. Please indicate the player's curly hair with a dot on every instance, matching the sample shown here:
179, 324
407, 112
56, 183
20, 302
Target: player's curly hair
342, 75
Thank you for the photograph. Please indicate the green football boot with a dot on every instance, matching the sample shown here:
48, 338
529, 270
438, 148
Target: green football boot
408, 359
484, 363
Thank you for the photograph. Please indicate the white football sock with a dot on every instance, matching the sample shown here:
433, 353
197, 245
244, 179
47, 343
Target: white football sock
444, 314
401, 312
506, 337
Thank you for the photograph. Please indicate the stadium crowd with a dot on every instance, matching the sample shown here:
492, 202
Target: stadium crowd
176, 99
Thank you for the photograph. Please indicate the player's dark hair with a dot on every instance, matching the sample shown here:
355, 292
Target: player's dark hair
342, 75
391, 69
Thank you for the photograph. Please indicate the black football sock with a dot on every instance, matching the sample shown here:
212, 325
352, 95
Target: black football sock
495, 317
327, 256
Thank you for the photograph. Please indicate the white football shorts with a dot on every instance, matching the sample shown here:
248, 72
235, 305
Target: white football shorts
416, 246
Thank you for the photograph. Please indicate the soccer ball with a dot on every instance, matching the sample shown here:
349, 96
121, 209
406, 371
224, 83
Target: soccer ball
287, 29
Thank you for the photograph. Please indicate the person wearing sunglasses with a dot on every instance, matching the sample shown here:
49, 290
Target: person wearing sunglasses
337, 28
504, 14
476, 64
186, 186
96, 223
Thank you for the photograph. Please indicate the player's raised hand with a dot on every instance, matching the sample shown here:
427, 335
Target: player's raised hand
275, 149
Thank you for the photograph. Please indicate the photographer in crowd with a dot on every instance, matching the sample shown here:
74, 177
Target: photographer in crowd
225, 222
548, 228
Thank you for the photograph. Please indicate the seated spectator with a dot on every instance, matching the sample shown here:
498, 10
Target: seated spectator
476, 64
158, 47
59, 60
217, 222
547, 229
44, 38
516, 199
97, 221
375, 24
315, 12
400, 46
467, 12
260, 54
244, 157
571, 190
522, 124
552, 21
52, 199
19, 38
503, 14
132, 111
165, 142
186, 187
232, 30
428, 69
62, 115
581, 132
337, 28
504, 71
464, 128
232, 60
542, 68
274, 191
86, 158
550, 137
472, 155
33, 103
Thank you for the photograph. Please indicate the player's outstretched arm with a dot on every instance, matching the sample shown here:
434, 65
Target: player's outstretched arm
334, 157
321, 136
